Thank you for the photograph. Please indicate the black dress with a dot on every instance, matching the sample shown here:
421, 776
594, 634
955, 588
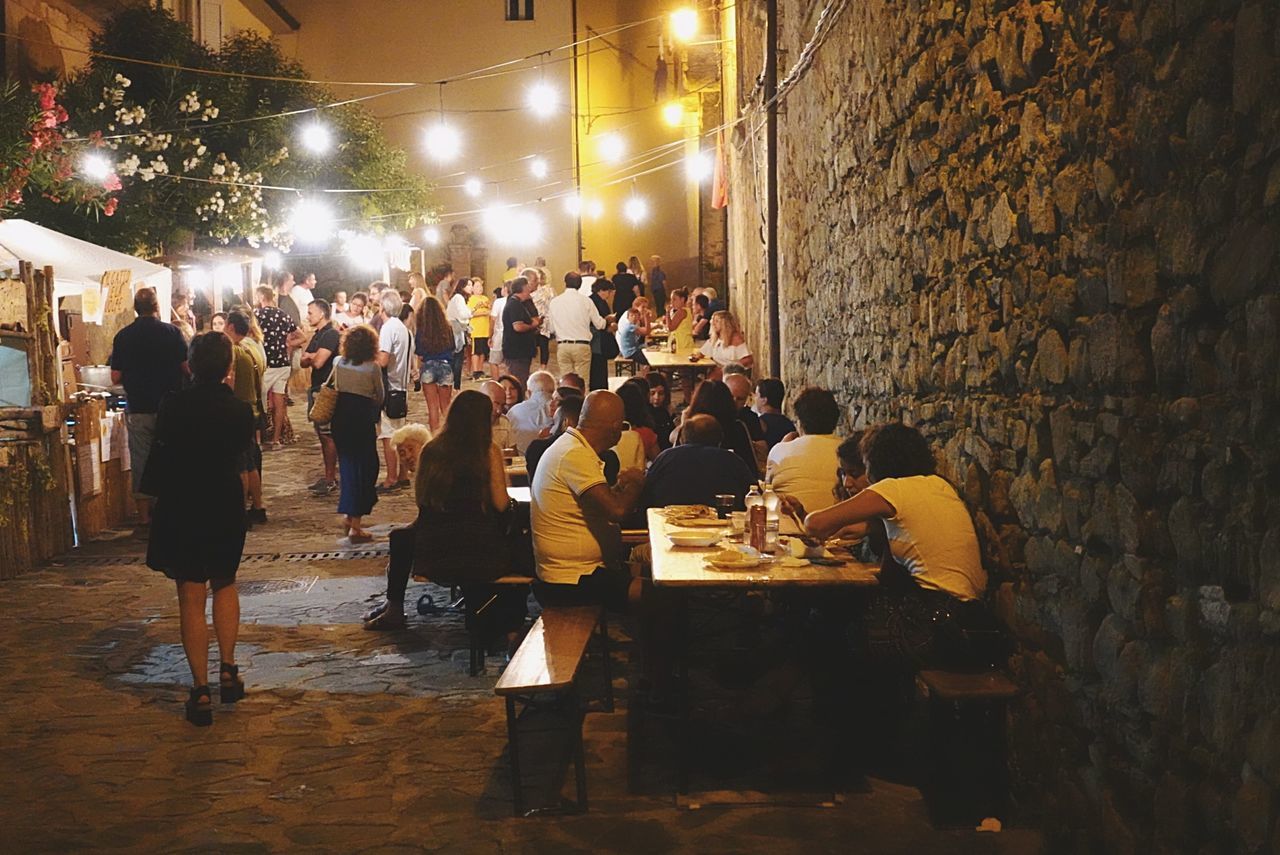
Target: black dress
198, 524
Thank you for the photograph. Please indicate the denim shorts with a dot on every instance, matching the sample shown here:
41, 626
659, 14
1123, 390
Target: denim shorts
438, 371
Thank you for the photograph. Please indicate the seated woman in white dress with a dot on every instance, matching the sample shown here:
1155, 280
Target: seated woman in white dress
726, 345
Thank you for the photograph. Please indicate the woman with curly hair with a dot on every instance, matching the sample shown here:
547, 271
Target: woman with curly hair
435, 343
358, 379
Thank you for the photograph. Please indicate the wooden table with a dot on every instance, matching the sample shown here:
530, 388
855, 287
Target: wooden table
665, 360
684, 566
683, 570
517, 471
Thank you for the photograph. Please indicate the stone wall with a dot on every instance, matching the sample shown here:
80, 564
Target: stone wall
1046, 234
53, 33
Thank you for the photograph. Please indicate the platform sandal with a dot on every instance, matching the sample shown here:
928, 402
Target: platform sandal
230, 686
199, 707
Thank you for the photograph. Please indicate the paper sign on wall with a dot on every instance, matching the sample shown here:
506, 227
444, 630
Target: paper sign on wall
115, 284
91, 304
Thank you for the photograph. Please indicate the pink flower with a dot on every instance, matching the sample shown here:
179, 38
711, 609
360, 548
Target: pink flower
46, 92
112, 182
109, 209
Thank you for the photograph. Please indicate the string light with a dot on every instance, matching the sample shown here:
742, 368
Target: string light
573, 204
311, 222
684, 24
431, 235
673, 113
443, 142
636, 210
95, 166
365, 251
473, 186
538, 167
698, 166
272, 260
542, 100
317, 138
612, 147
595, 209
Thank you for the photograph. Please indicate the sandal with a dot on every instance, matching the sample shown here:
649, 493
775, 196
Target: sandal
375, 611
385, 620
200, 707
360, 537
230, 686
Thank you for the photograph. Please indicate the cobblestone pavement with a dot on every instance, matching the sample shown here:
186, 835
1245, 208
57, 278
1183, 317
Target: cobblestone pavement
349, 741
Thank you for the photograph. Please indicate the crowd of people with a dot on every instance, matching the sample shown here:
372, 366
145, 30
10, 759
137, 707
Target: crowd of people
596, 459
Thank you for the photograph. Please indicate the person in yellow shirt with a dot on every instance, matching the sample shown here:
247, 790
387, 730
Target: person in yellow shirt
513, 270
479, 304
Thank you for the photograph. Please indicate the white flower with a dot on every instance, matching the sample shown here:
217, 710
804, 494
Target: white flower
128, 166
201, 150
219, 169
123, 81
146, 174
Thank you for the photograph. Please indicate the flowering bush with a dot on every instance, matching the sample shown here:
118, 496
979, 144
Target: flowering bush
39, 159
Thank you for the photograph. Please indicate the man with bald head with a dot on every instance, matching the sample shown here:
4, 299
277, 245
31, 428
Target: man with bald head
697, 470
501, 425
531, 418
575, 513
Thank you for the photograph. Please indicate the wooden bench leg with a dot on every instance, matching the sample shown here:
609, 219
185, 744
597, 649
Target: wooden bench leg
577, 719
513, 750
477, 652
608, 664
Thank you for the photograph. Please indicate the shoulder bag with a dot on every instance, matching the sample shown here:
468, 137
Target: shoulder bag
396, 403
326, 400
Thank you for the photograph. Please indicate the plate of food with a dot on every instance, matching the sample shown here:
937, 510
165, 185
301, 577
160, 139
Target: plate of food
694, 538
734, 559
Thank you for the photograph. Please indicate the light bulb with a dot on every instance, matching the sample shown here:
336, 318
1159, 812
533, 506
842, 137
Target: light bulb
443, 142
541, 99
365, 251
636, 210
612, 147
673, 113
698, 166
473, 186
573, 204
431, 235
538, 167
317, 138
311, 222
684, 24
595, 209
95, 166
272, 260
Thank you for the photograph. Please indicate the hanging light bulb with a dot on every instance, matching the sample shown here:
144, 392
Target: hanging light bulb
684, 24
612, 147
316, 138
636, 210
431, 235
538, 167
594, 209
541, 99
272, 260
698, 166
526, 228
573, 204
95, 166
673, 113
443, 141
473, 186
311, 222
365, 251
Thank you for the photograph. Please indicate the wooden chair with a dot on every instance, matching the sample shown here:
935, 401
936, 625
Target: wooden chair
543, 675
622, 365
968, 781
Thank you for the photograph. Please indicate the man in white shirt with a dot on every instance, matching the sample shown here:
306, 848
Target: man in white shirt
496, 359
805, 467
575, 513
531, 418
575, 318
394, 349
587, 270
304, 294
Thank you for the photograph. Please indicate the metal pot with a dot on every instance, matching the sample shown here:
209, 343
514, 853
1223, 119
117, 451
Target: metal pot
98, 378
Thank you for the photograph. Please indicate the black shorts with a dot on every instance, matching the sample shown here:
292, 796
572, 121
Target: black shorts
607, 586
480, 346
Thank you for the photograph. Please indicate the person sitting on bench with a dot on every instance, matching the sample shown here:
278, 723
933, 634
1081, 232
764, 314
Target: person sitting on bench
460, 537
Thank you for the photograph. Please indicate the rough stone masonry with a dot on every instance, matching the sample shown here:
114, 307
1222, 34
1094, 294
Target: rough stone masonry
1046, 233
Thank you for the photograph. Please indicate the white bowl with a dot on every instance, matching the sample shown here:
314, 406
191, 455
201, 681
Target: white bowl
694, 538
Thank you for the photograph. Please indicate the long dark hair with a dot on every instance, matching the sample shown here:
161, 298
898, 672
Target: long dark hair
434, 333
895, 450
455, 464
458, 286
635, 401
713, 398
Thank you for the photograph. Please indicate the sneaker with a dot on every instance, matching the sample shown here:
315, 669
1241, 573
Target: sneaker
383, 489
323, 488
318, 485
258, 515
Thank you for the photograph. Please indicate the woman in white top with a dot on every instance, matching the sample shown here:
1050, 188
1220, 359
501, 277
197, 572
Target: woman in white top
458, 313
726, 344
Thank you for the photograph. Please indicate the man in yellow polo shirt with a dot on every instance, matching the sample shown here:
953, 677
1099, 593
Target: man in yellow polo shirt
479, 303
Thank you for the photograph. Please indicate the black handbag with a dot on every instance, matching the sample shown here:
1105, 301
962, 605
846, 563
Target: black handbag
396, 402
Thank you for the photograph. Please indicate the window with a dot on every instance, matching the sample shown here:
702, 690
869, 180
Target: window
519, 10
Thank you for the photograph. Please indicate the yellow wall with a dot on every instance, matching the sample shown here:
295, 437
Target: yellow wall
621, 77
236, 18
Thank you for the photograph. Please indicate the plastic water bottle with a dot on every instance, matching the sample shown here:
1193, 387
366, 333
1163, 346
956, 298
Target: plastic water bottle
771, 503
753, 498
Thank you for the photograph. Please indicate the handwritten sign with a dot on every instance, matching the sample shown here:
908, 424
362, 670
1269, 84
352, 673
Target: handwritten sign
91, 304
116, 287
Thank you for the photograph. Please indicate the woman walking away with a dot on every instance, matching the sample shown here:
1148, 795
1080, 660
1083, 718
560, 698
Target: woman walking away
435, 345
203, 437
358, 380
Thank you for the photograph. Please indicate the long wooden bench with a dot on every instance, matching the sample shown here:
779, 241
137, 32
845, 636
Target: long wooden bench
969, 781
547, 665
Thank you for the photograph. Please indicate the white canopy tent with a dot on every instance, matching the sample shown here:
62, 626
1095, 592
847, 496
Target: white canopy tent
77, 263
